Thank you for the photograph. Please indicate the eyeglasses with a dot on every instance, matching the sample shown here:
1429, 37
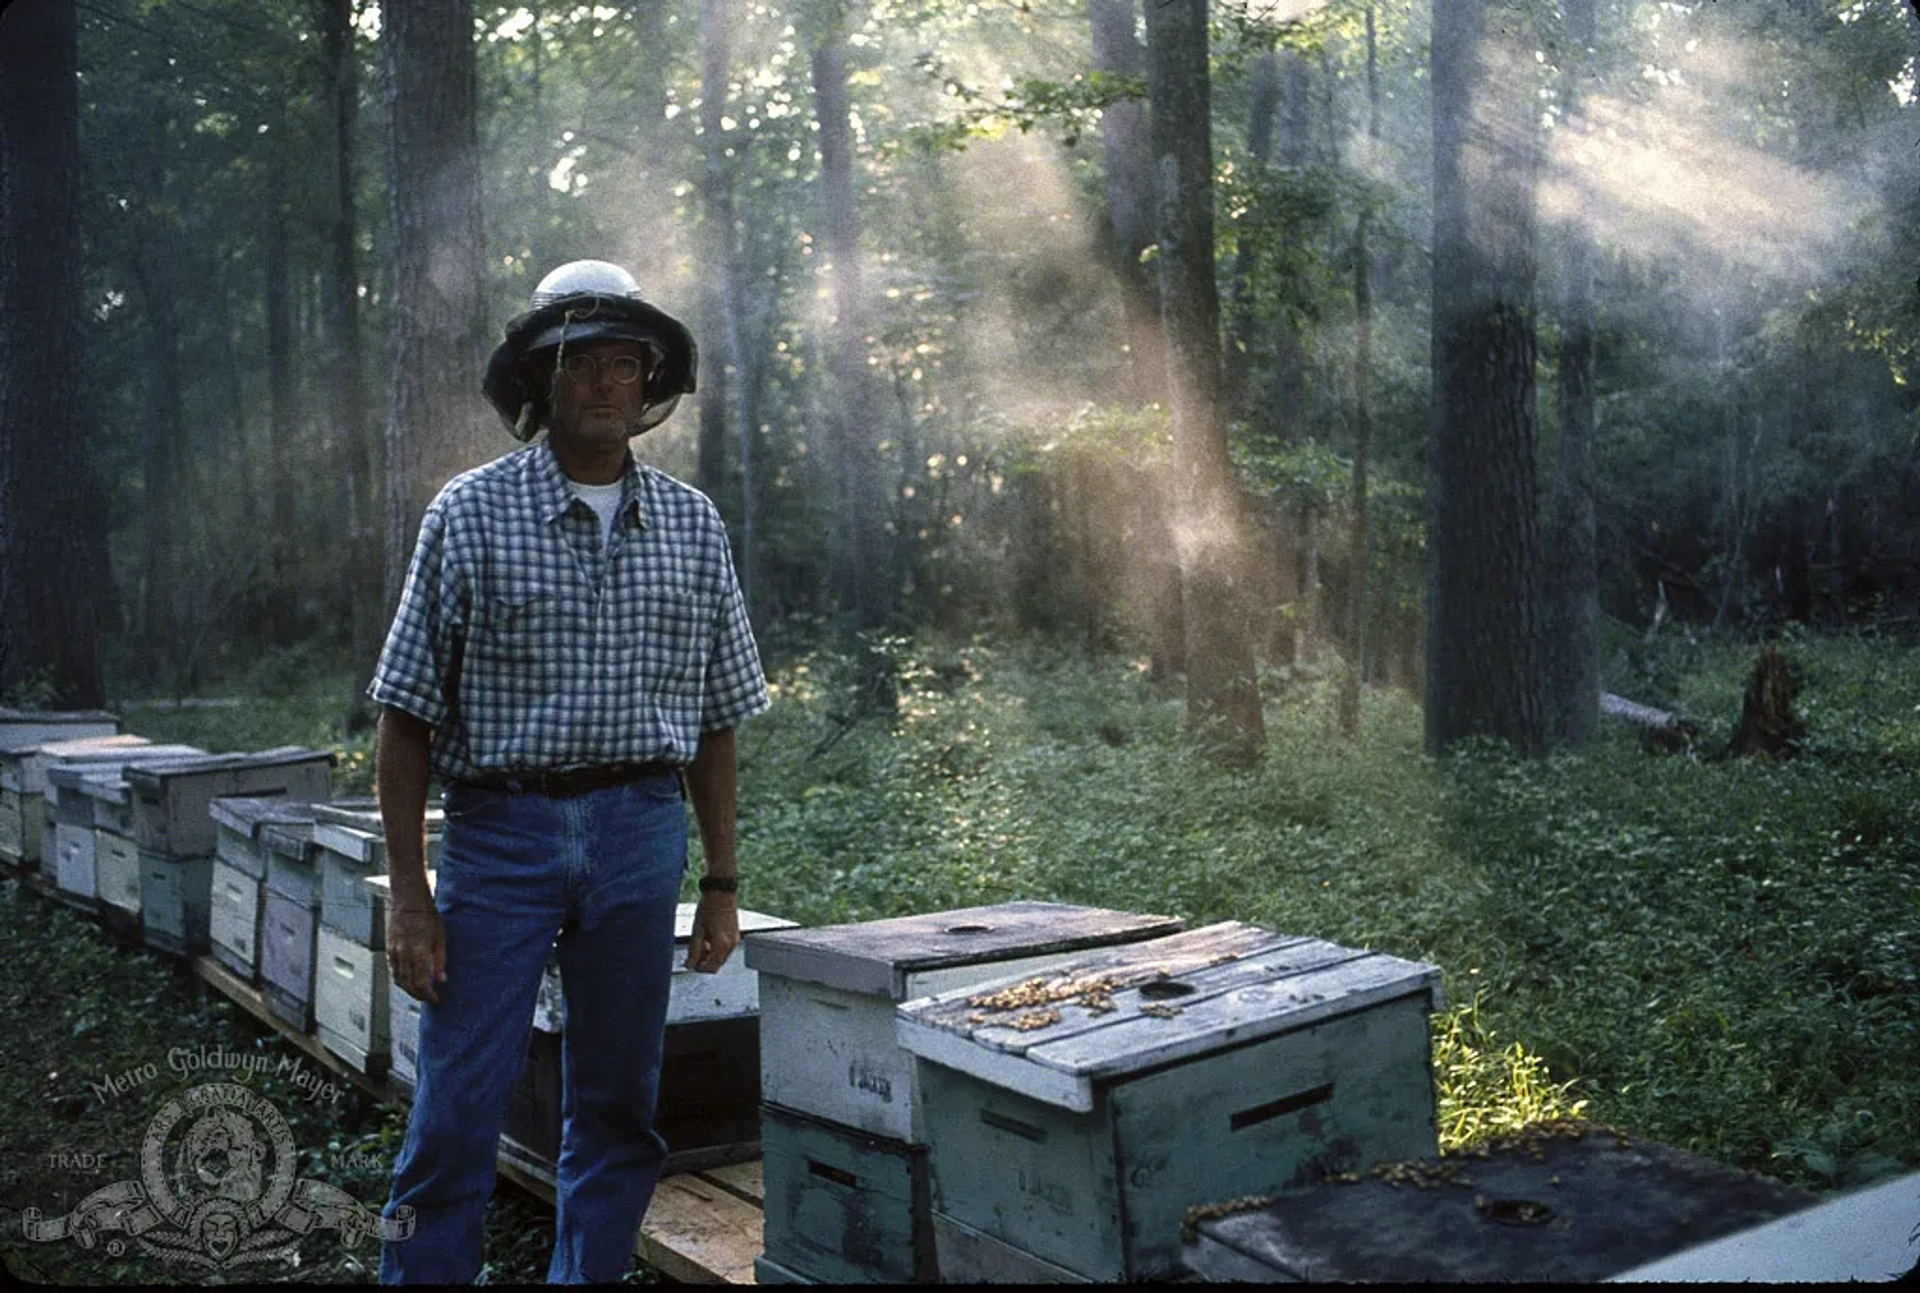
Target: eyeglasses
585, 369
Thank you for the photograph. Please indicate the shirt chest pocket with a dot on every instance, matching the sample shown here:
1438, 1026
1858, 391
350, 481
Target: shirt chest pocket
666, 629
519, 637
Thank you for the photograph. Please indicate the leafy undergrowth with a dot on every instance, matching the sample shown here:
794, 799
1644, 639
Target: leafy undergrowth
100, 1038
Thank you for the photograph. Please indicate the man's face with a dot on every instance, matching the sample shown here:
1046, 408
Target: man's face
592, 406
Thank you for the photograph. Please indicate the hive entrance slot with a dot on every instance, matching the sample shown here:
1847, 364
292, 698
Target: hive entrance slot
969, 929
1165, 990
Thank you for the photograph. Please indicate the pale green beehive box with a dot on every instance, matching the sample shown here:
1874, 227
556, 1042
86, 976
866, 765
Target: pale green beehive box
25, 807
1073, 1116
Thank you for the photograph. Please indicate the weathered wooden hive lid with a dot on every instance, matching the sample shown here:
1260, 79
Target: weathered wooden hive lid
151, 779
1057, 1034
294, 838
877, 956
362, 813
31, 727
751, 922
248, 814
76, 769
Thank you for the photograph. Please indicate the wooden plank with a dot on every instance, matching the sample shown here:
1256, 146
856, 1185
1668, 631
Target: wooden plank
1110, 969
698, 1233
743, 1180
876, 957
1164, 1001
1236, 1017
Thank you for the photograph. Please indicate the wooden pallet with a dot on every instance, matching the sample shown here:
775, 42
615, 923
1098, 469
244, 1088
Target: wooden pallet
703, 1227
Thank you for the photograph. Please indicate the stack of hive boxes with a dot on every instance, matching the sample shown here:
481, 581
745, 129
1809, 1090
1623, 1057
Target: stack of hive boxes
710, 1073
239, 877
844, 1149
88, 800
1074, 1116
403, 1012
289, 915
174, 827
22, 807
351, 992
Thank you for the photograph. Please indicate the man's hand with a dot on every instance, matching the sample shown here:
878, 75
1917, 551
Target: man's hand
417, 951
716, 932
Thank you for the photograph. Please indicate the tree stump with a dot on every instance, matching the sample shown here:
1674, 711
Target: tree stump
1768, 728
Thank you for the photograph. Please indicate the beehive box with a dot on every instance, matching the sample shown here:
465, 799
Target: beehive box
843, 1205
233, 925
403, 1012
171, 809
116, 869
74, 874
25, 813
176, 902
1555, 1203
827, 996
352, 849
238, 822
1074, 1115
289, 916
84, 795
350, 1000
20, 727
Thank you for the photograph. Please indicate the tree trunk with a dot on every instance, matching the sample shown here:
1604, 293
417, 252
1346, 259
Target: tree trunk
1243, 323
52, 531
1221, 686
156, 258
1129, 189
1482, 497
360, 570
437, 423
283, 416
1287, 409
1571, 591
716, 248
864, 563
1359, 539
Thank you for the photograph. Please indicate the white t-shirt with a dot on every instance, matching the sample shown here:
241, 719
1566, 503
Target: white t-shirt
605, 502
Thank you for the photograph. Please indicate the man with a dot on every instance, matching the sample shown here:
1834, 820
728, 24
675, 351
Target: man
570, 649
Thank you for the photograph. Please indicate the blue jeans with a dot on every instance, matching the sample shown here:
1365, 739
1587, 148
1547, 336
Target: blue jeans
601, 873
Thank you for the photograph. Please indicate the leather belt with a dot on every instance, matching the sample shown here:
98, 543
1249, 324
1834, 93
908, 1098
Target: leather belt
572, 781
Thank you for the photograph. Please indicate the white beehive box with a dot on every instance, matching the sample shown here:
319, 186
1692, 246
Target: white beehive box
65, 784
116, 869
171, 809
1076, 1114
25, 815
289, 917
352, 849
238, 824
350, 1000
234, 925
403, 1012
827, 996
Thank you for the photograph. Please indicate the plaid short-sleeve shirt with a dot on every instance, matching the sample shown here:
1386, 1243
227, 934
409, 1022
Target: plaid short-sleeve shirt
526, 645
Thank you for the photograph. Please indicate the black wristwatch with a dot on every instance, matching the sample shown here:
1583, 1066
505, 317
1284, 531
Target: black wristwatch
719, 884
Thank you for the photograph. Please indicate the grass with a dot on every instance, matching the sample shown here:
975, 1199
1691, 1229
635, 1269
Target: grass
1717, 955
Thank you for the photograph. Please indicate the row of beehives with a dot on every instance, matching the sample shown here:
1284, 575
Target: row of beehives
248, 857
1029, 1091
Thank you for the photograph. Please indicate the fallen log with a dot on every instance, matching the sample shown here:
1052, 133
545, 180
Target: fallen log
1660, 731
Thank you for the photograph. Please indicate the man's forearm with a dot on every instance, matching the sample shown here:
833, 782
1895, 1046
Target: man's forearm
401, 768
711, 786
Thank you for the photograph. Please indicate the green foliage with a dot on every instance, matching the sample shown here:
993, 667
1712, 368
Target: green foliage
1486, 1088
